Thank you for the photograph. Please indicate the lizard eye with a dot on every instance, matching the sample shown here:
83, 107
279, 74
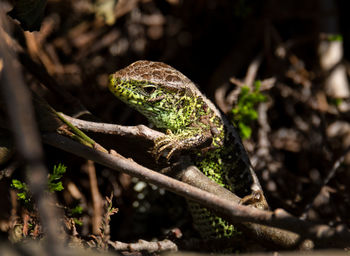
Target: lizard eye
149, 90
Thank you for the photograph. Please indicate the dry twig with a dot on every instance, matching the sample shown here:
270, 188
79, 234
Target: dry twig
322, 235
142, 245
139, 131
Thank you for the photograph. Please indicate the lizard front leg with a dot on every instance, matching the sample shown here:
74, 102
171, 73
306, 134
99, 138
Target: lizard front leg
171, 143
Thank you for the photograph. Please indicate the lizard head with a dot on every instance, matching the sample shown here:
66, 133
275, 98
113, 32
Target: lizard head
159, 92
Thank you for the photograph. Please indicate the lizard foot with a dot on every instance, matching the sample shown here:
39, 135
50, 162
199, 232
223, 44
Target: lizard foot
170, 141
255, 199
176, 142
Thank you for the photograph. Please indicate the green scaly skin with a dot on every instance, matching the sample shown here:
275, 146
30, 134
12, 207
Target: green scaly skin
170, 101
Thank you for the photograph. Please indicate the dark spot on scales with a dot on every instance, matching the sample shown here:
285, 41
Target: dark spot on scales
206, 142
146, 76
204, 105
155, 65
157, 74
172, 78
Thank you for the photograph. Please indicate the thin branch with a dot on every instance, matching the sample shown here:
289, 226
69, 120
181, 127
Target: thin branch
142, 245
252, 70
336, 166
322, 235
183, 171
191, 175
97, 202
139, 131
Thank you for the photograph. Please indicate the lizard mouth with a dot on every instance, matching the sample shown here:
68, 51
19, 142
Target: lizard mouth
125, 90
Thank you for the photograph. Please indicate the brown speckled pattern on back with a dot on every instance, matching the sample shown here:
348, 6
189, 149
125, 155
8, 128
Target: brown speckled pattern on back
154, 72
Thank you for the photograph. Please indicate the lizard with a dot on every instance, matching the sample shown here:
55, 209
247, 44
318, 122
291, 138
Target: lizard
174, 104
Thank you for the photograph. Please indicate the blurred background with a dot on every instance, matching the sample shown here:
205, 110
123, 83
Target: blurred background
298, 51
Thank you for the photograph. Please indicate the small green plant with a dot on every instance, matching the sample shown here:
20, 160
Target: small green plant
77, 210
54, 184
335, 101
23, 192
335, 37
244, 112
75, 213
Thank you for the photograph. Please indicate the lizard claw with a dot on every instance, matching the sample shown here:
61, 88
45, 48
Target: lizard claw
178, 142
164, 143
255, 199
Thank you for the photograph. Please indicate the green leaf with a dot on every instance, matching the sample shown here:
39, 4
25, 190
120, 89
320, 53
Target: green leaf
335, 101
244, 113
76, 210
29, 12
56, 186
245, 130
55, 176
23, 193
335, 37
78, 222
17, 184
